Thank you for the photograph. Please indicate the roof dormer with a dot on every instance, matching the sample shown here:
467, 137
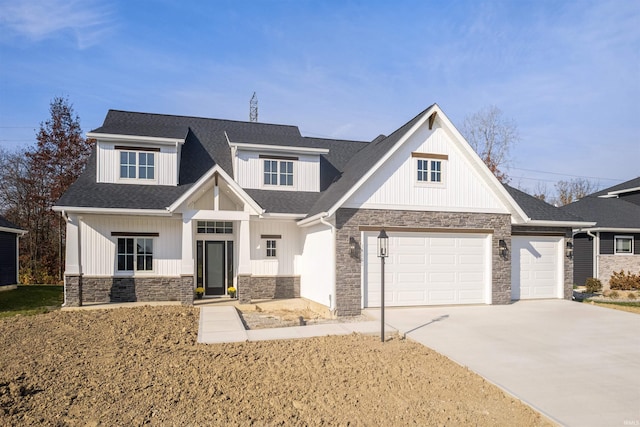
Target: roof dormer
139, 159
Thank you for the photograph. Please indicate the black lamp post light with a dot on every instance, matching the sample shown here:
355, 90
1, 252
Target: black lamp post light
383, 252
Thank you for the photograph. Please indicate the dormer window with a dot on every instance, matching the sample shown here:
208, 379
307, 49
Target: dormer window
137, 163
278, 171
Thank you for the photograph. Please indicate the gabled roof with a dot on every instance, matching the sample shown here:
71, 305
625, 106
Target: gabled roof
538, 210
632, 183
359, 165
609, 212
206, 145
8, 226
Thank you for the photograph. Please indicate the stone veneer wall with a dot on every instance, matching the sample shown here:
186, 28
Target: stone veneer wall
568, 262
607, 264
267, 287
348, 271
85, 289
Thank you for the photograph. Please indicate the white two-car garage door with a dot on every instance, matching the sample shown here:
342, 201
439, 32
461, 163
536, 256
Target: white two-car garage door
536, 267
428, 269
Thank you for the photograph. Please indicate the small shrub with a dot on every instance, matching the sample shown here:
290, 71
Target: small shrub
624, 281
614, 295
593, 285
631, 295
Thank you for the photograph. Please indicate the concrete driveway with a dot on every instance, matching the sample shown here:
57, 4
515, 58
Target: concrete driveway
578, 364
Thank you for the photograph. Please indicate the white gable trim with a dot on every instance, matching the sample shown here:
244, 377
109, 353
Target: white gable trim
517, 214
112, 137
13, 230
235, 188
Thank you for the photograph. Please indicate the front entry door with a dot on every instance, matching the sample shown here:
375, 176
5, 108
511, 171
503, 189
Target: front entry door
214, 268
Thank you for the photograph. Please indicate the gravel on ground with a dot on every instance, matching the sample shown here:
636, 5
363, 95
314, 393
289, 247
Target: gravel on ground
135, 366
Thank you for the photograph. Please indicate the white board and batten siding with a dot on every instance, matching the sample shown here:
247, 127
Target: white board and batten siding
395, 184
288, 250
108, 162
428, 269
537, 267
317, 267
99, 246
249, 172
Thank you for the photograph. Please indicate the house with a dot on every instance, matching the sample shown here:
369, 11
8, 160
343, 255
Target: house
9, 252
169, 203
613, 243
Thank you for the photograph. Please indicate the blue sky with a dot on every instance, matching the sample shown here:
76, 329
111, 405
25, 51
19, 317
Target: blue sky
568, 73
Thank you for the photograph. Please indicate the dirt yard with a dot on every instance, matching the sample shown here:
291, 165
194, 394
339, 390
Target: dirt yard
134, 366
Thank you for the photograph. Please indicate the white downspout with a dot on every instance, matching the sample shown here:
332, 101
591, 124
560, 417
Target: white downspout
332, 295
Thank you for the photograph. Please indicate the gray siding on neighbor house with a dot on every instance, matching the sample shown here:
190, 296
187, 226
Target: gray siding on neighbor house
582, 258
607, 242
8, 267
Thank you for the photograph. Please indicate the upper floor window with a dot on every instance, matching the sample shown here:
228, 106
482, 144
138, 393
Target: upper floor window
430, 167
278, 172
137, 165
623, 245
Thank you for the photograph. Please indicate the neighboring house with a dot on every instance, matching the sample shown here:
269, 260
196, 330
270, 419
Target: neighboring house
168, 203
9, 252
613, 243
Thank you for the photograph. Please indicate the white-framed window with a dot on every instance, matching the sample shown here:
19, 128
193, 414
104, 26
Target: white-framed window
215, 227
623, 245
429, 170
134, 254
278, 172
137, 165
271, 248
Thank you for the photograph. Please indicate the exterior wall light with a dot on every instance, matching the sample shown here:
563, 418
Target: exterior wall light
353, 248
569, 250
502, 248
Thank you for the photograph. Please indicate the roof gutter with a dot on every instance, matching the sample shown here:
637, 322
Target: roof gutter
313, 220
608, 229
110, 211
14, 230
549, 223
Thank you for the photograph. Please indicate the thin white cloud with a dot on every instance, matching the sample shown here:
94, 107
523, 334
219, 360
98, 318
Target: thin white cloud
87, 21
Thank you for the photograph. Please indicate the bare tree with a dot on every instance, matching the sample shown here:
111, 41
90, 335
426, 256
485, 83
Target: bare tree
491, 135
541, 192
574, 189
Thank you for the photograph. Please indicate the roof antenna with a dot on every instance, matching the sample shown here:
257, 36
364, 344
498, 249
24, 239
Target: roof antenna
253, 108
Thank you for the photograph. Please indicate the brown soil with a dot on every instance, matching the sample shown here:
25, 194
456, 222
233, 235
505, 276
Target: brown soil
133, 366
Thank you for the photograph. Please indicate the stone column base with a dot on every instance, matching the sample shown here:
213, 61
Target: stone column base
73, 290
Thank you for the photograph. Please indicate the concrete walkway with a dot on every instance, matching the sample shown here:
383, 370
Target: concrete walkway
576, 363
222, 324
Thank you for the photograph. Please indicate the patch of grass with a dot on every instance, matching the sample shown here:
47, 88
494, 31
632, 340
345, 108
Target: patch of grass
30, 299
630, 306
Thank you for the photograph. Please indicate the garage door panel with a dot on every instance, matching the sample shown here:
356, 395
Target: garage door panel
427, 268
536, 267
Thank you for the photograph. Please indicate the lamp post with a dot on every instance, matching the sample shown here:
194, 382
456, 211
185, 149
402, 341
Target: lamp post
383, 252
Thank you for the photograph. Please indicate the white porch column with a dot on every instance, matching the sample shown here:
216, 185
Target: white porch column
244, 249
72, 263
187, 246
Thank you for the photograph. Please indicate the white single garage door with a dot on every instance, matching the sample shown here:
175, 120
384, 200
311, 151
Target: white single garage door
536, 267
428, 269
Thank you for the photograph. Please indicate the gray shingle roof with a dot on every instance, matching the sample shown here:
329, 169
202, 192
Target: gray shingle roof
539, 210
206, 145
633, 183
5, 223
611, 212
608, 213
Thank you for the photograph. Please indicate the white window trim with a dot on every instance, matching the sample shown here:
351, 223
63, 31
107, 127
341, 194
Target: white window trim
278, 186
615, 246
137, 180
429, 183
274, 248
135, 272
